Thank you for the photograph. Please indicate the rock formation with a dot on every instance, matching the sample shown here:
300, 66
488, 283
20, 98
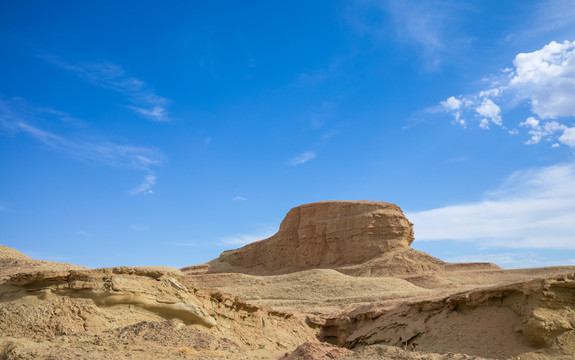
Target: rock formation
53, 312
324, 234
338, 272
515, 321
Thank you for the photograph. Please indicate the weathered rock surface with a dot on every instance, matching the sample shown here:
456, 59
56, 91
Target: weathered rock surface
320, 235
149, 312
528, 320
315, 351
154, 289
339, 272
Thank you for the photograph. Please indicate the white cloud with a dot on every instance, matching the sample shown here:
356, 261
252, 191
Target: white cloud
451, 103
543, 78
489, 110
145, 187
16, 116
302, 158
547, 78
244, 239
531, 122
239, 198
157, 113
510, 260
545, 131
111, 76
568, 137
550, 18
532, 209
432, 27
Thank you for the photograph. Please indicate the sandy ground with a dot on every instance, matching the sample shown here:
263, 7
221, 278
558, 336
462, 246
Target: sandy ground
328, 292
455, 311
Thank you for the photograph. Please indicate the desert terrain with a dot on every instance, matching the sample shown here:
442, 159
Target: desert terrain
338, 280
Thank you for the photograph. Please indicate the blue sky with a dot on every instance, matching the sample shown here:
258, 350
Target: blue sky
148, 133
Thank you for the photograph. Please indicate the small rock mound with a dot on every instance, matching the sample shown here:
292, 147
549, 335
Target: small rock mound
13, 262
9, 253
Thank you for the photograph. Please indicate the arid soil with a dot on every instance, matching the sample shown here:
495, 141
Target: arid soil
390, 302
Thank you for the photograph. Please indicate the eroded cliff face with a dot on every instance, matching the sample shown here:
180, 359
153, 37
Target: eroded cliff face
326, 234
114, 312
528, 320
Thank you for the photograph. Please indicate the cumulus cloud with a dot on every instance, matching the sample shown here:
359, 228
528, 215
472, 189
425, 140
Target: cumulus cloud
302, 158
451, 103
545, 79
454, 105
533, 208
568, 137
489, 111
145, 101
546, 130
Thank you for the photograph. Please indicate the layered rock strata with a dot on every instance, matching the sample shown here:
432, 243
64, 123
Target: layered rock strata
326, 234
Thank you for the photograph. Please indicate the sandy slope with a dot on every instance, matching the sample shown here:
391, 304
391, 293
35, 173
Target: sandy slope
474, 309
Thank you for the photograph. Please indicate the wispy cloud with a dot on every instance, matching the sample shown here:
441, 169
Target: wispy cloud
244, 239
239, 198
144, 100
510, 260
321, 114
16, 117
302, 158
545, 79
431, 26
145, 187
551, 18
139, 227
84, 233
533, 208
330, 71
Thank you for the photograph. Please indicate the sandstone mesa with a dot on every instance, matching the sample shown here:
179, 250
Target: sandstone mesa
338, 280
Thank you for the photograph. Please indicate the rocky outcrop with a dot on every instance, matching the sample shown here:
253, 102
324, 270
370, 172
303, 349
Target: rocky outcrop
326, 234
155, 289
60, 313
528, 320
